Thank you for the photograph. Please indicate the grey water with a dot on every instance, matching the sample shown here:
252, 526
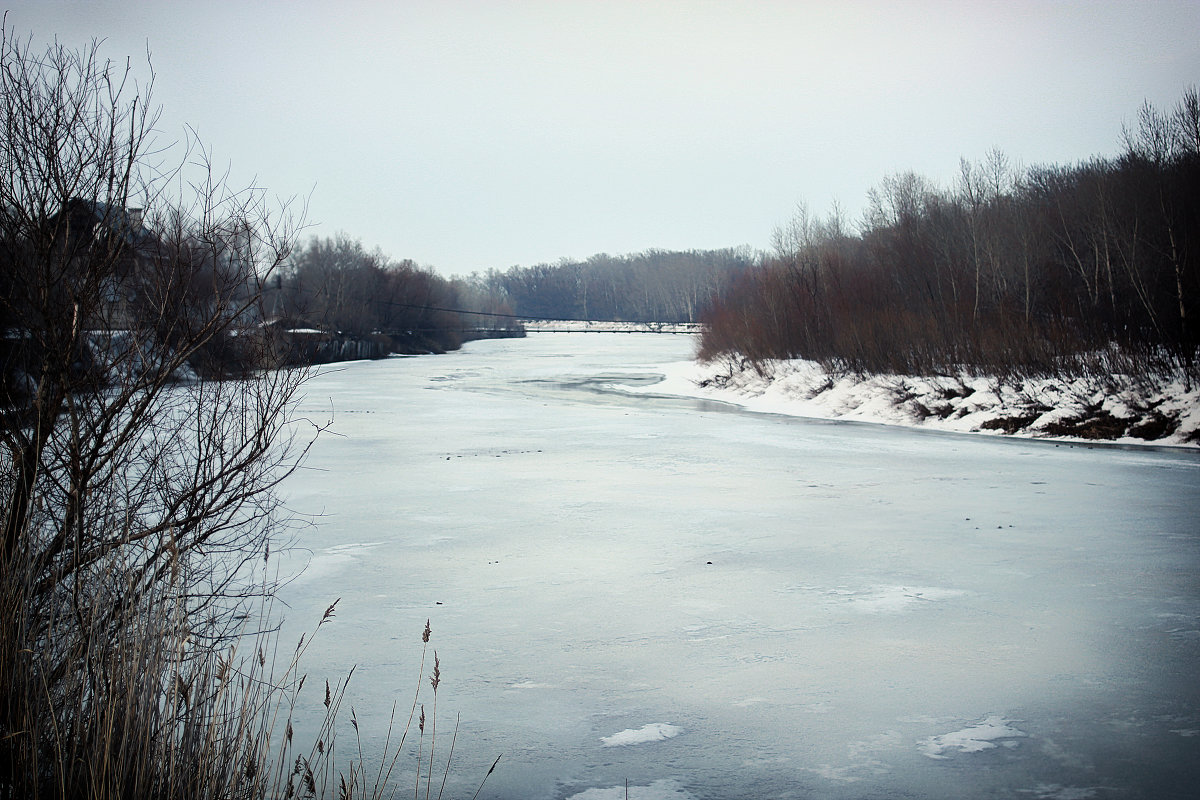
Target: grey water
697, 602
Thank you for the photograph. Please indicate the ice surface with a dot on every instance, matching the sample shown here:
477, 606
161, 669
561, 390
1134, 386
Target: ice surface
809, 602
658, 790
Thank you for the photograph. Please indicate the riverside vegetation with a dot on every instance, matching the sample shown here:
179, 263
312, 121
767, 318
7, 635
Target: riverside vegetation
1088, 274
145, 424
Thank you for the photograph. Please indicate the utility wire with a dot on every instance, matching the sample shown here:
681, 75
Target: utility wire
422, 307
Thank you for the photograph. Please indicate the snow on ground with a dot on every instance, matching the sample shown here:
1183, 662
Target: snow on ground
1074, 410
600, 326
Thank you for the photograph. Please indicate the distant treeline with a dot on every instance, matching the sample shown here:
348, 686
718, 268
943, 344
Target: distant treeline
336, 297
654, 286
1046, 270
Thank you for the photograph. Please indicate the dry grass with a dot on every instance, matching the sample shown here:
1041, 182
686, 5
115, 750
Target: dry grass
153, 712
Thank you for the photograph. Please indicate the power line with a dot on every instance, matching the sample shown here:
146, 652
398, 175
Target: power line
423, 307
527, 317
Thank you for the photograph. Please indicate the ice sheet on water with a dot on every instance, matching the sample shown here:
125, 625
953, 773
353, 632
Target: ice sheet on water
973, 739
867, 603
653, 732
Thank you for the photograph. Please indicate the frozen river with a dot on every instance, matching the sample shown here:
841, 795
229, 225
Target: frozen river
708, 603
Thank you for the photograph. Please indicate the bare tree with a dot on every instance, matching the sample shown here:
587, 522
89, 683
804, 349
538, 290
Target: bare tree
1159, 145
1187, 123
142, 431
1013, 271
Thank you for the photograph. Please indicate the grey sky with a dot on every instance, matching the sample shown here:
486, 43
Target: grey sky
471, 135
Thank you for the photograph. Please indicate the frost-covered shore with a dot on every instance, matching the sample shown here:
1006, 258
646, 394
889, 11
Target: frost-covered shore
1075, 410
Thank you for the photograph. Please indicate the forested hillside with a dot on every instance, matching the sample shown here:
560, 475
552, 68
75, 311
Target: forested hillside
654, 286
1049, 270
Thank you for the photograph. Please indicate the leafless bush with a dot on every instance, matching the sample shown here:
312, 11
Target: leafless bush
142, 433
144, 428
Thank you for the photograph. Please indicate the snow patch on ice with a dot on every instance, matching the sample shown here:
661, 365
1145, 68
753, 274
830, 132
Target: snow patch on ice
864, 761
668, 789
974, 739
653, 732
820, 707
1053, 791
831, 773
895, 599
881, 599
331, 560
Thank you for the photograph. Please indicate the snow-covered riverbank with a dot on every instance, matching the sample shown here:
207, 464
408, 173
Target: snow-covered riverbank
1039, 408
599, 326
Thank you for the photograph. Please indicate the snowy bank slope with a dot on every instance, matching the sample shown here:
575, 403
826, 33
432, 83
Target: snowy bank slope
1044, 408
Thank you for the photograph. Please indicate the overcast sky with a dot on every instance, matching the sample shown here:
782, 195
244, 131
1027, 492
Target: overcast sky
472, 135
